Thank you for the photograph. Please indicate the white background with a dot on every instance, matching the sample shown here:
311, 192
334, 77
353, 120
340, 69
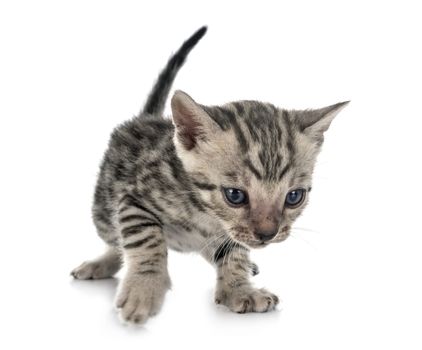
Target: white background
72, 70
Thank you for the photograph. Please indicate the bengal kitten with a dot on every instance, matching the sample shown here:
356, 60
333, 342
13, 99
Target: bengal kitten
217, 180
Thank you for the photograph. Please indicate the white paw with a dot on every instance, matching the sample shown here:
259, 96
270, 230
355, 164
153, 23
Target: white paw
94, 270
246, 299
141, 297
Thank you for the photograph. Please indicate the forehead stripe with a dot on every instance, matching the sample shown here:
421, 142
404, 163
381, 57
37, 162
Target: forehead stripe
252, 168
241, 139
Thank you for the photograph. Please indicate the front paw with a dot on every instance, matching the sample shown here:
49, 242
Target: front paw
140, 298
246, 299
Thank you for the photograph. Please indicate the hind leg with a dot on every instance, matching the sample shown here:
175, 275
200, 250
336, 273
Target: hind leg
108, 264
105, 266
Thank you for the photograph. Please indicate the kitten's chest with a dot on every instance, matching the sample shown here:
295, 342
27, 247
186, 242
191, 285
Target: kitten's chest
192, 235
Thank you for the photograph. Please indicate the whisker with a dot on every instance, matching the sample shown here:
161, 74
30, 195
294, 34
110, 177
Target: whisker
303, 239
211, 240
304, 229
226, 241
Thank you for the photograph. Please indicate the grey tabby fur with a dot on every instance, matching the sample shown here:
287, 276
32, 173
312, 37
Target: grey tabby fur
160, 186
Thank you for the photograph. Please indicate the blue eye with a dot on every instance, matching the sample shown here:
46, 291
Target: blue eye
235, 196
295, 198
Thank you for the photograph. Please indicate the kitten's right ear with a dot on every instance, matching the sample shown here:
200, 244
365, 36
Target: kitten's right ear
315, 122
192, 123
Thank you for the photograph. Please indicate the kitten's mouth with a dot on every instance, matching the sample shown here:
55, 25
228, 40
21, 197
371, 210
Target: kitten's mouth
249, 243
254, 244
257, 244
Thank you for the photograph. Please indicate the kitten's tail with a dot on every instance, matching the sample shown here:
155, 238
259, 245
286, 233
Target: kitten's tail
158, 96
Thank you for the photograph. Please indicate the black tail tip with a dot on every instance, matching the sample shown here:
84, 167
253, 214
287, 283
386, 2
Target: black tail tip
203, 29
200, 33
193, 40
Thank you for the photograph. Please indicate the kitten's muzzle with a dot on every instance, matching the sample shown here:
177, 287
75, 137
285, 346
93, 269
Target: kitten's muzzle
265, 236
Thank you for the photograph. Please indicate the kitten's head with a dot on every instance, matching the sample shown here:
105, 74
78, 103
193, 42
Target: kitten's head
251, 162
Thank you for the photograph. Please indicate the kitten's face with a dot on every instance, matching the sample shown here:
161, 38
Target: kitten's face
252, 162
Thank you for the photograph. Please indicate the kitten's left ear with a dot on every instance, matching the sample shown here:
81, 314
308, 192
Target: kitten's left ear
315, 122
192, 123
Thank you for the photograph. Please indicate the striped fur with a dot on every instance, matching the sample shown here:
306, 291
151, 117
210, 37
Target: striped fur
160, 186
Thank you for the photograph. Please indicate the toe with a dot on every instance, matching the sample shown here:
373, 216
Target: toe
242, 305
139, 319
83, 272
121, 299
128, 310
